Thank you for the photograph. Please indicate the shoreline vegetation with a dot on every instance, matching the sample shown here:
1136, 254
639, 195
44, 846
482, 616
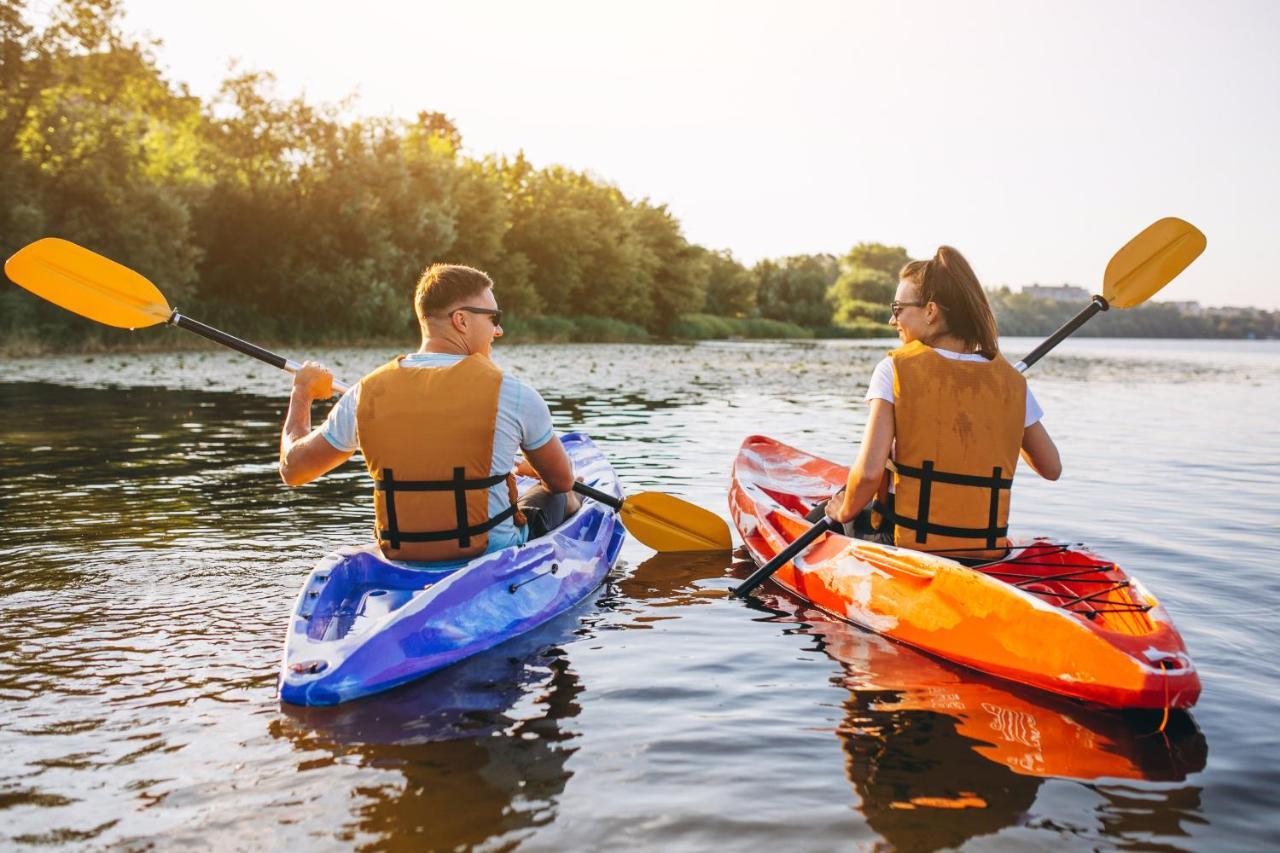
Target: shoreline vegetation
287, 221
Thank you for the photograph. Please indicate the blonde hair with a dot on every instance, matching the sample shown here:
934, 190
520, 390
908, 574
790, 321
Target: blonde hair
948, 280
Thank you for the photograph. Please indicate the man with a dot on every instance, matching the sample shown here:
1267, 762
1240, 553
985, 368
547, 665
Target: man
439, 430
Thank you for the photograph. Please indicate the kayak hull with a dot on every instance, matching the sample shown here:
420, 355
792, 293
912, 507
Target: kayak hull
1053, 617
362, 624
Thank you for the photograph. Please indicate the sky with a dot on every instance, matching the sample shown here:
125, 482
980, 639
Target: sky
1035, 137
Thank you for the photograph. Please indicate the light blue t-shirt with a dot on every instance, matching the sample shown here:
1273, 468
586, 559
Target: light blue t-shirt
524, 422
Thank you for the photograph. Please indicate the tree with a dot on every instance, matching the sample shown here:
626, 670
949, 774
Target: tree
731, 287
675, 271
94, 144
795, 289
876, 256
867, 283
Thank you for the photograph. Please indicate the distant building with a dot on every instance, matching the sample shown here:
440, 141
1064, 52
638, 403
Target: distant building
1057, 292
1233, 311
1187, 308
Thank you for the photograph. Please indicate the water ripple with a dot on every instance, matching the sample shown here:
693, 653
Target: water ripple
150, 556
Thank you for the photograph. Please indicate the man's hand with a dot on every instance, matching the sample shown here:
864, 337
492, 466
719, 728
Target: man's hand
313, 382
524, 469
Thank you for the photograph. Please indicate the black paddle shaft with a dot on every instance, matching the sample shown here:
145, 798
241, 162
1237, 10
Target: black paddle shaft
603, 497
220, 337
1094, 306
762, 574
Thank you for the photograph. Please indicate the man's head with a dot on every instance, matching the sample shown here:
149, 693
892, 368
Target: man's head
455, 305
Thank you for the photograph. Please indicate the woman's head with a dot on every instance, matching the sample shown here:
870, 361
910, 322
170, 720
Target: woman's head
942, 297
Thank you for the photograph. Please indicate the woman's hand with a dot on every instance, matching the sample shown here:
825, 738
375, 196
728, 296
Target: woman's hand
836, 508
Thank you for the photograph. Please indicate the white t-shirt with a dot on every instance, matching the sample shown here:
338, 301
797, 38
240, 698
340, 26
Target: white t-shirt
881, 385
524, 422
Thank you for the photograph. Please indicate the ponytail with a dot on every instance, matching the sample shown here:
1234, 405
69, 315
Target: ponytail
948, 280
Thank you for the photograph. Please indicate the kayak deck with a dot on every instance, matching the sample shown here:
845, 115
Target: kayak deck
1052, 616
363, 624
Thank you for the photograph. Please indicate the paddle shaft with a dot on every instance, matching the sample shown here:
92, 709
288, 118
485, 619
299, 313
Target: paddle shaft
603, 497
763, 573
1096, 305
252, 350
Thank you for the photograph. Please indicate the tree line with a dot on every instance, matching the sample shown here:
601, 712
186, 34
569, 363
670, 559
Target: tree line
290, 220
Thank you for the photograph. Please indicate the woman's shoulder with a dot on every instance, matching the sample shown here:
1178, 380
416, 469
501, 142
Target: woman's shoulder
962, 356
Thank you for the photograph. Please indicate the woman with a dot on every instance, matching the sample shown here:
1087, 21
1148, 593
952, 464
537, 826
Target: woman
953, 414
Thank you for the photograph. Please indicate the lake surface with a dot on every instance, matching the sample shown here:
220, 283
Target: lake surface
149, 557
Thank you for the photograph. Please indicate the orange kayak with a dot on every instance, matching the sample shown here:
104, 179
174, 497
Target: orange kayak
1052, 616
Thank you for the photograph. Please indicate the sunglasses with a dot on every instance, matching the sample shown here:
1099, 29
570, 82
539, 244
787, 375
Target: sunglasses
494, 314
896, 307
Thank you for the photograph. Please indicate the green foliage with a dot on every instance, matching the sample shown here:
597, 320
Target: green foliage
607, 330
1019, 314
794, 289
544, 329
888, 260
555, 329
867, 283
858, 328
731, 287
861, 284
852, 310
709, 327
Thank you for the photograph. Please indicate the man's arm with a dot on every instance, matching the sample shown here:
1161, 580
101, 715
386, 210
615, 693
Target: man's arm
304, 453
552, 465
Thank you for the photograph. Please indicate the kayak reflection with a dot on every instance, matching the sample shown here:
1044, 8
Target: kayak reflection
1028, 731
480, 744
939, 754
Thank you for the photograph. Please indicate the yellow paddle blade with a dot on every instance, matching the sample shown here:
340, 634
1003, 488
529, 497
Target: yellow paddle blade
87, 284
1150, 261
666, 523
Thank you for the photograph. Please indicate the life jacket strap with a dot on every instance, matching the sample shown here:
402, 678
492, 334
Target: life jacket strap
459, 485
928, 475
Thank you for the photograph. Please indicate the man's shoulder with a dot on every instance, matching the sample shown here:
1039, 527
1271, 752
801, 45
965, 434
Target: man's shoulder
518, 389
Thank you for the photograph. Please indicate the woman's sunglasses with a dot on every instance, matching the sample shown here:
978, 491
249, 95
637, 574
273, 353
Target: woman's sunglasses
896, 307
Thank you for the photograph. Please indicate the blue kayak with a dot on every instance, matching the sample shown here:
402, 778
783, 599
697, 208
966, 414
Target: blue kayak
363, 624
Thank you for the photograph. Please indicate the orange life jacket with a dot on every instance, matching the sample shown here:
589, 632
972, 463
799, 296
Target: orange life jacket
957, 434
426, 434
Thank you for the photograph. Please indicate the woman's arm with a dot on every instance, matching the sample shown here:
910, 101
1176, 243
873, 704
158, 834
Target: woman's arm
868, 470
1039, 451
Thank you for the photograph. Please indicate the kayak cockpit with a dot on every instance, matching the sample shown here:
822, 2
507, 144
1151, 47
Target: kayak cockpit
357, 591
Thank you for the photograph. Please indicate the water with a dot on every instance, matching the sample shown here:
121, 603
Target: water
150, 556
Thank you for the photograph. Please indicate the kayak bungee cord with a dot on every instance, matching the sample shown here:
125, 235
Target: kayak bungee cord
1078, 574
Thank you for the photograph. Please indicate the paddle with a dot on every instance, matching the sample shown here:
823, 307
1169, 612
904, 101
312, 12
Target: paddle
666, 523
100, 289
1135, 273
86, 283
